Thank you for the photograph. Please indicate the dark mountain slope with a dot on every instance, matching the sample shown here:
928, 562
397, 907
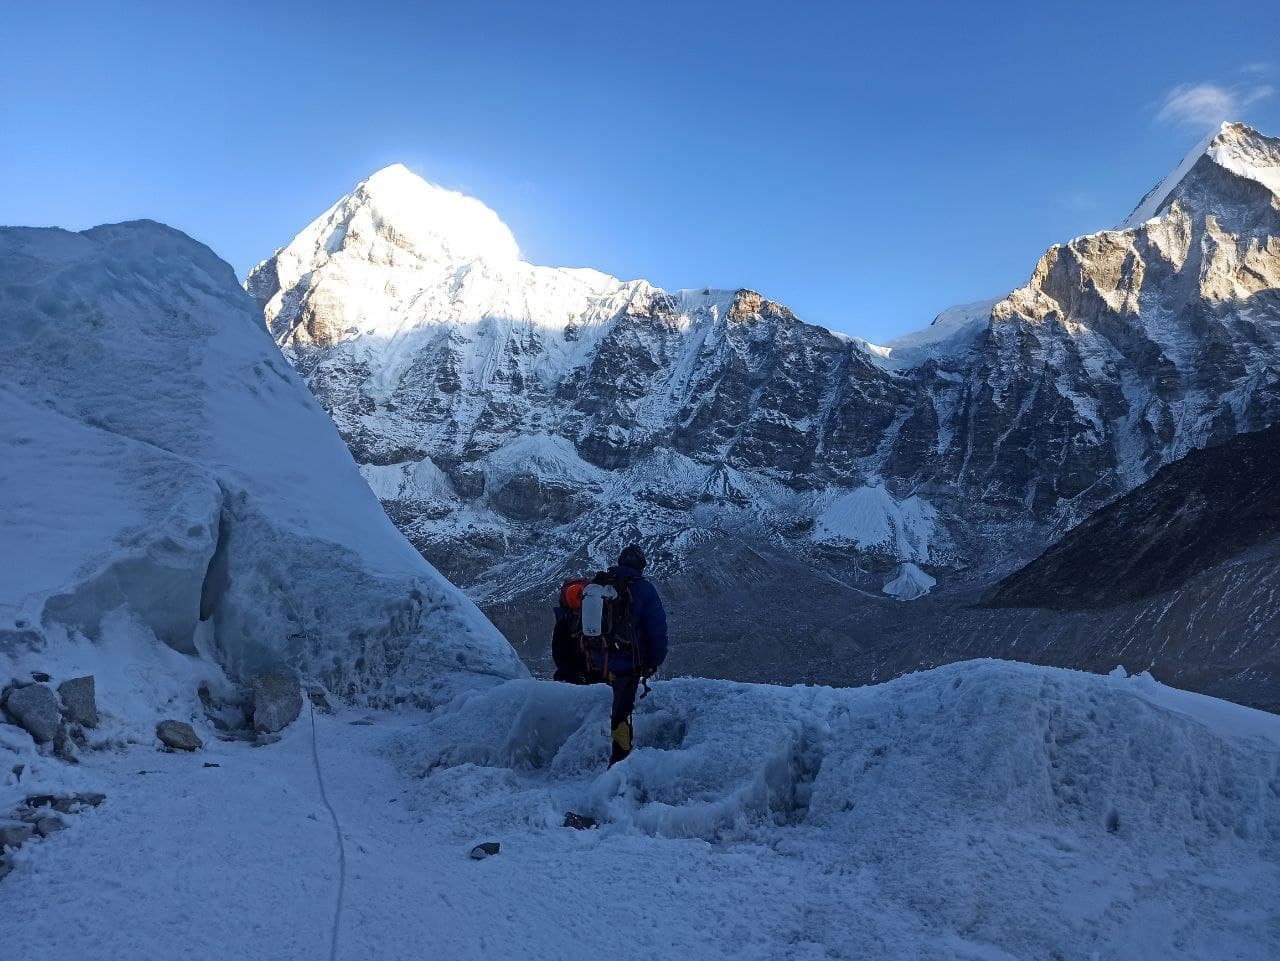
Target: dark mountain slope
1211, 506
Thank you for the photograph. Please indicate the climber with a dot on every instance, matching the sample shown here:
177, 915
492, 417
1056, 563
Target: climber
612, 629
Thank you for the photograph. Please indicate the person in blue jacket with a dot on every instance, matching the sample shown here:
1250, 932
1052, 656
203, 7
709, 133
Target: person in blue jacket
624, 669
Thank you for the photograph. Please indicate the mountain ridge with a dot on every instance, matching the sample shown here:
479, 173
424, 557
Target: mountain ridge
717, 420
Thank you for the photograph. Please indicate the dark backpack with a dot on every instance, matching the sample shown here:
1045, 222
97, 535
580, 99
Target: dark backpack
615, 633
567, 650
609, 631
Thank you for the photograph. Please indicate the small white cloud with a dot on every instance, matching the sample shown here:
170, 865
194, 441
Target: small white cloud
1081, 201
1206, 104
1259, 69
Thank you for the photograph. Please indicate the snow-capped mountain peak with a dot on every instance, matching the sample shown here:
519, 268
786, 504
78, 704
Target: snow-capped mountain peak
1235, 147
398, 263
430, 220
1247, 153
392, 223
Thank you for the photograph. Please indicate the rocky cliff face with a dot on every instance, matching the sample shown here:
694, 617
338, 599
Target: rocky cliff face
521, 422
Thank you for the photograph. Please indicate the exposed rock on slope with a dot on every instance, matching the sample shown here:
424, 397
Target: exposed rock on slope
159, 456
1209, 507
520, 422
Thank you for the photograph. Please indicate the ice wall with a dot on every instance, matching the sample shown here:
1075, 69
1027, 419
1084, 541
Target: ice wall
159, 454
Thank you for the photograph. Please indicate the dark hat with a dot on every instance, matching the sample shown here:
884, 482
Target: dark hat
633, 557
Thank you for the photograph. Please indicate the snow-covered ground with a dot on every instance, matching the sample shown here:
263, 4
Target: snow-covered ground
986, 810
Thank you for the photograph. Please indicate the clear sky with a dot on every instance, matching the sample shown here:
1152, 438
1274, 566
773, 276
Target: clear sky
866, 163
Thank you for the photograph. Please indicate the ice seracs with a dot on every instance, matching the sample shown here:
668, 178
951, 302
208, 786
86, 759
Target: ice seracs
984, 811
161, 459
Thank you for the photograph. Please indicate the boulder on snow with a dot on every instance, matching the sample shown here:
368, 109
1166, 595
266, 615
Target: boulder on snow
36, 709
485, 850
50, 824
277, 700
79, 703
15, 835
65, 803
178, 735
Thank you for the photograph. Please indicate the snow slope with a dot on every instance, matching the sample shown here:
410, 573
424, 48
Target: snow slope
1149, 206
952, 331
870, 517
909, 583
157, 454
986, 811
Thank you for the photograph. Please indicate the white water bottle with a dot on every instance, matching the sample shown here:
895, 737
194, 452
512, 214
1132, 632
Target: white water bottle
593, 598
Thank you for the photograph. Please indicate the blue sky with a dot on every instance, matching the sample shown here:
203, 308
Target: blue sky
867, 164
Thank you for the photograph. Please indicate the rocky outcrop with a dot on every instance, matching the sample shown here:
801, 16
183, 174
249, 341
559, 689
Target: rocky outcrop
53, 719
38, 817
1195, 514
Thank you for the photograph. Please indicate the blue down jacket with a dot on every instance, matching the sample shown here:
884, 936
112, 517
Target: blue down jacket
648, 620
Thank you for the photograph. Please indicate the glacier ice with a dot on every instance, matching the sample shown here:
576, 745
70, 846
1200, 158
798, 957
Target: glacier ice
160, 456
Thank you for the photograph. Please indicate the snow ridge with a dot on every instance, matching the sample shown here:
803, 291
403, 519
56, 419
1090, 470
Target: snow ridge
1234, 147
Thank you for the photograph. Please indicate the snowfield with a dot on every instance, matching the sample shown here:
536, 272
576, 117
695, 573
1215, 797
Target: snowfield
985, 810
870, 517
